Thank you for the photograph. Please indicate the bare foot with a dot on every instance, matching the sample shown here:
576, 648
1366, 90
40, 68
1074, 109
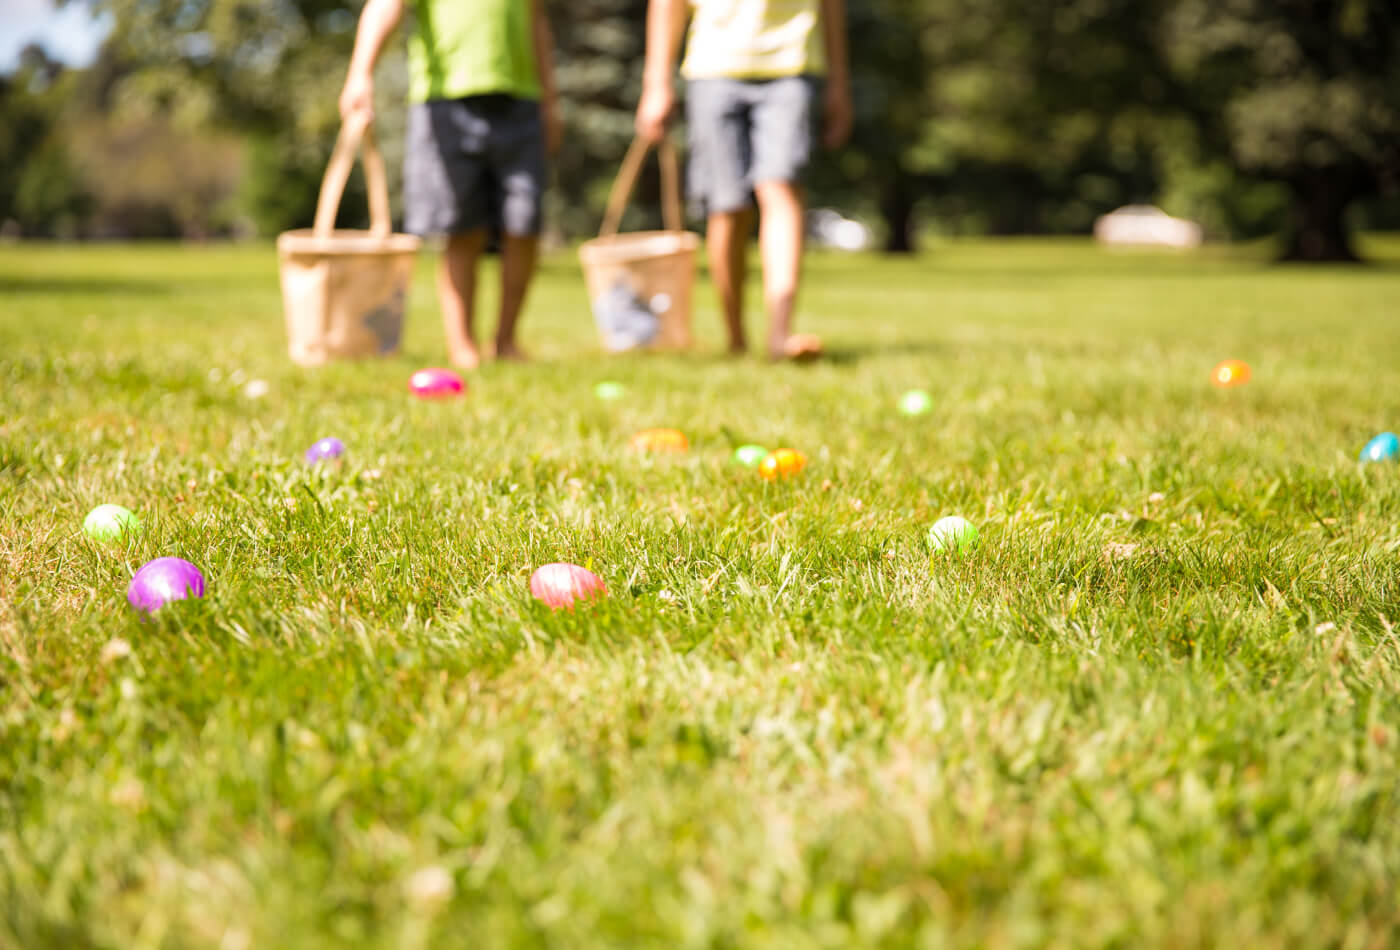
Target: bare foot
799, 348
465, 357
737, 348
510, 352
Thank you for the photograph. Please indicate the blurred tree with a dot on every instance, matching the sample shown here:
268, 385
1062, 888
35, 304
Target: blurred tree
995, 115
1089, 103
268, 71
886, 165
1043, 113
54, 199
599, 76
273, 71
152, 179
24, 124
41, 190
1303, 92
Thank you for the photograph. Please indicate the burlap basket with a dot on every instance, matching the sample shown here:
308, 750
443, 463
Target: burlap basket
344, 292
639, 284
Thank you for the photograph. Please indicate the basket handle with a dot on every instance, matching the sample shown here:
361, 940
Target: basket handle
356, 134
627, 180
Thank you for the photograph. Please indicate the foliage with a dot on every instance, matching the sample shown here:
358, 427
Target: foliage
880, 171
987, 116
283, 183
41, 191
599, 75
274, 71
151, 178
52, 198
268, 71
1096, 102
73, 168
1158, 707
1306, 93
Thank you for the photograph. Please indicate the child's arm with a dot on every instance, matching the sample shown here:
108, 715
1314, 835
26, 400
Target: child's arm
544, 64
377, 23
665, 27
837, 111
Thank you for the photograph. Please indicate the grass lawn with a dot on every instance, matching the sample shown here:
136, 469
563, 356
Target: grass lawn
1159, 705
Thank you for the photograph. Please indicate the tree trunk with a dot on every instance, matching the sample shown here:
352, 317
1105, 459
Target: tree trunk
1319, 229
897, 208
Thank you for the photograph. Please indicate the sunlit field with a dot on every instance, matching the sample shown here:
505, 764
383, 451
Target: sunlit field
1158, 705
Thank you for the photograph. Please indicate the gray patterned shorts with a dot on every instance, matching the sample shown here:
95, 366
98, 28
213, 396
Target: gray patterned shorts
744, 132
474, 163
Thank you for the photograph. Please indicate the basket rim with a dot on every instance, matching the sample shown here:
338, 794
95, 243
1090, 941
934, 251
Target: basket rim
307, 241
621, 248
688, 239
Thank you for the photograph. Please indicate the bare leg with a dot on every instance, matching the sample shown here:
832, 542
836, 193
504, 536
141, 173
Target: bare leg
456, 282
518, 258
780, 234
727, 240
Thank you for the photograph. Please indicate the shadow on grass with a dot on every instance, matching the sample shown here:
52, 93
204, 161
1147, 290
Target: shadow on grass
848, 354
20, 285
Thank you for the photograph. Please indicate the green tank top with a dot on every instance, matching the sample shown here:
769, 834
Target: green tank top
472, 48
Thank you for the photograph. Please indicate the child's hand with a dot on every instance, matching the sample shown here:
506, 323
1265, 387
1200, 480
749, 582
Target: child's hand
654, 111
357, 96
837, 115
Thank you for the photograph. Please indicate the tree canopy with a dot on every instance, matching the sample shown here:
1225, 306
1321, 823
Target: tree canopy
1304, 92
1250, 116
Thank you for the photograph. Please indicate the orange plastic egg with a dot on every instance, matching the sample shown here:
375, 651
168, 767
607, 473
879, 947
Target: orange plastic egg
1230, 373
782, 463
660, 440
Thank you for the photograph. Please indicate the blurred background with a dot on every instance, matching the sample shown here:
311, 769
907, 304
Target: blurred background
1255, 119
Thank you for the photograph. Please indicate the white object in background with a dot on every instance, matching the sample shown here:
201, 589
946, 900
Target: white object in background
832, 229
1146, 226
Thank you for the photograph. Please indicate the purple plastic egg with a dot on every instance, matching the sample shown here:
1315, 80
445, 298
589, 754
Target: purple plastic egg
325, 450
163, 580
436, 384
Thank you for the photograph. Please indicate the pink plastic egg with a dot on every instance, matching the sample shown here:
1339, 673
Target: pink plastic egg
560, 585
436, 384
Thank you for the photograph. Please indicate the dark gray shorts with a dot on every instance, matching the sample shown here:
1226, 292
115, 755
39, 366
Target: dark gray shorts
744, 132
474, 163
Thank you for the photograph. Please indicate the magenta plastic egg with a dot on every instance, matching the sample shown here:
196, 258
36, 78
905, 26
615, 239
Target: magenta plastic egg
162, 581
436, 384
561, 585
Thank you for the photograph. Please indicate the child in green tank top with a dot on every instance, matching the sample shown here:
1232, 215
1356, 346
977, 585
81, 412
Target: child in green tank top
482, 115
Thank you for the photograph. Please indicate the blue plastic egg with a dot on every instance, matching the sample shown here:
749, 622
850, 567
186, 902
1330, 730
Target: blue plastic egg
1383, 448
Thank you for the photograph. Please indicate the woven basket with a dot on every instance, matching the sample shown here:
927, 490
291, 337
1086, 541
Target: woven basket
640, 283
344, 292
